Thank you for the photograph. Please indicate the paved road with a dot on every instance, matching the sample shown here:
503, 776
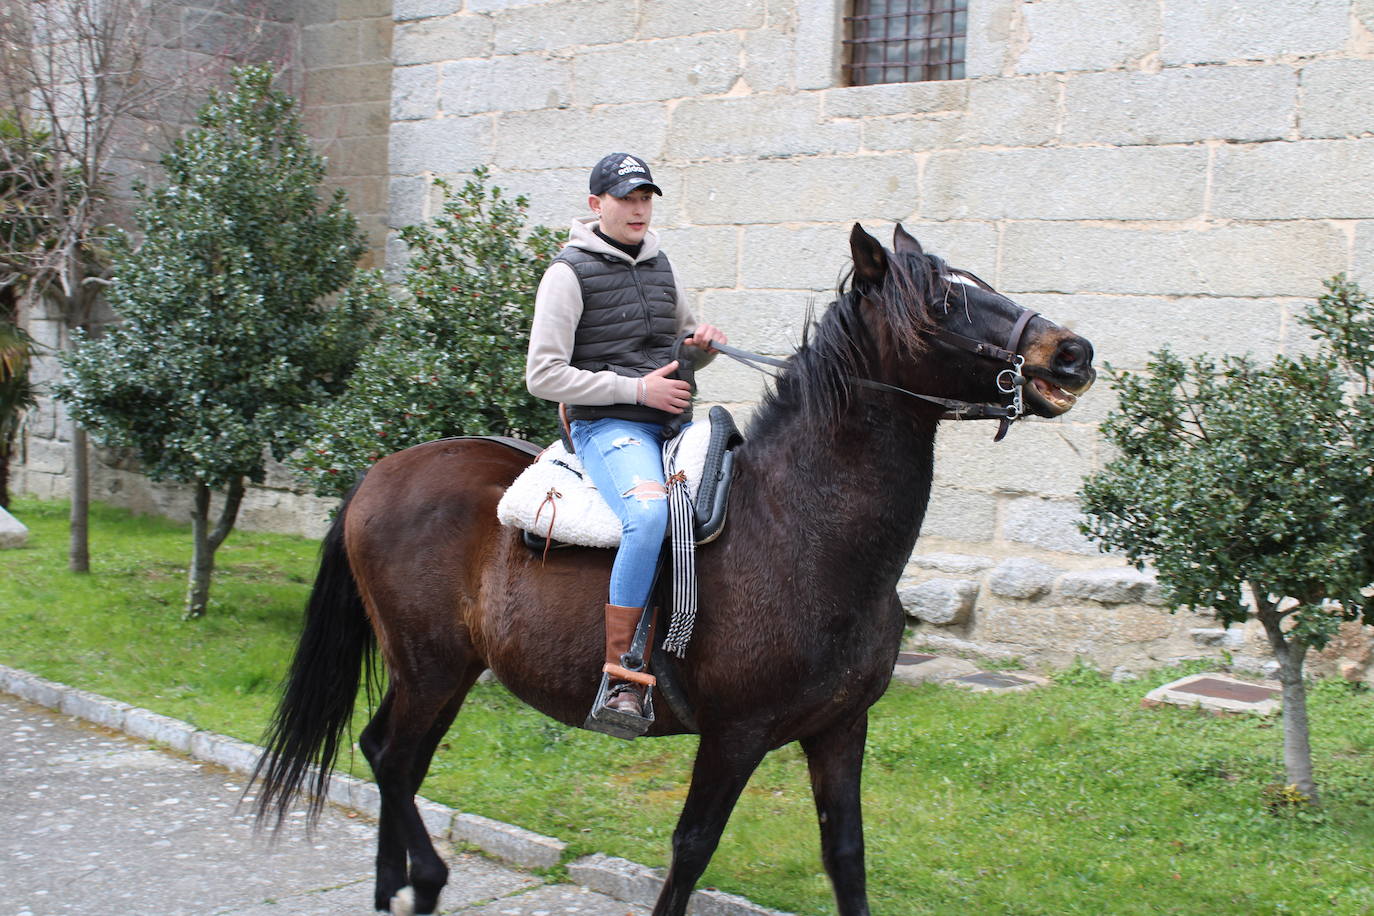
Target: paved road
98, 824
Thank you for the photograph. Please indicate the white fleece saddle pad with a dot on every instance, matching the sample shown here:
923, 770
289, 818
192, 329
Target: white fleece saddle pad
556, 490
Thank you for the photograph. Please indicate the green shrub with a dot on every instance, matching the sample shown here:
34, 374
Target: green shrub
449, 360
1248, 487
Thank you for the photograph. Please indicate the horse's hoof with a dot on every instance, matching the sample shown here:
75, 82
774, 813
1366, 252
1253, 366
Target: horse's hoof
403, 904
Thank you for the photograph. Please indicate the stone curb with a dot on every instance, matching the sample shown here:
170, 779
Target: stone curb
619, 878
639, 884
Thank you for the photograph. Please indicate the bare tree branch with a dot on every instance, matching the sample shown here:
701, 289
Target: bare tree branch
73, 75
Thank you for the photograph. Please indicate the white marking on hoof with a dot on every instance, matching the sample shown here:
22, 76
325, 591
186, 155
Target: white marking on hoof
403, 904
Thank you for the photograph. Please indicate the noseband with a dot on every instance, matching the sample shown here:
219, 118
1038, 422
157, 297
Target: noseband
1010, 380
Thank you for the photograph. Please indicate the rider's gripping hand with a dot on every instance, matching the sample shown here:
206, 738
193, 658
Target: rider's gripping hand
663, 393
704, 335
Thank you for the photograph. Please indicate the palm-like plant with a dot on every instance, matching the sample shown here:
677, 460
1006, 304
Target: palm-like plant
25, 172
16, 394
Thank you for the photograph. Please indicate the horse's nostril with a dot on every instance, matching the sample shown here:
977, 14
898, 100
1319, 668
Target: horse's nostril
1075, 354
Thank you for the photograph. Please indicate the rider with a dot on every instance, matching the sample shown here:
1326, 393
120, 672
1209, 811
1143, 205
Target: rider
608, 312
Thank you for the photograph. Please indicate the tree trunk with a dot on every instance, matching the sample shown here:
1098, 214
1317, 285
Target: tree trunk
1290, 654
1297, 747
207, 542
76, 310
79, 548
5, 451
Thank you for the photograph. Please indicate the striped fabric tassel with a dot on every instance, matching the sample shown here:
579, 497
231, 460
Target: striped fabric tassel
681, 525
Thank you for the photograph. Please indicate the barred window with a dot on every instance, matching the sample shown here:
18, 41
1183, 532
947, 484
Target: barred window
903, 41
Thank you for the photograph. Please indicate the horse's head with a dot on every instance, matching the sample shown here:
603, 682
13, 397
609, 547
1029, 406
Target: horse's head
942, 332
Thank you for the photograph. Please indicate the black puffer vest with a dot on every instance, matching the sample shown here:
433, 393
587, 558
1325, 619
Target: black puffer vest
629, 326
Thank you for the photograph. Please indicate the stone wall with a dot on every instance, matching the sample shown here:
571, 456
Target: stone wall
1148, 172
1102, 163
1048, 610
345, 63
1047, 614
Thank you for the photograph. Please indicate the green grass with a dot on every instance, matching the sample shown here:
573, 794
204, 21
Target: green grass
1072, 799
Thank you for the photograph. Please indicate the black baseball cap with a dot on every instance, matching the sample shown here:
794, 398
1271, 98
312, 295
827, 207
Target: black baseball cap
618, 174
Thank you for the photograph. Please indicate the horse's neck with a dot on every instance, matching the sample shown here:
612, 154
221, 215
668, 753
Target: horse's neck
866, 481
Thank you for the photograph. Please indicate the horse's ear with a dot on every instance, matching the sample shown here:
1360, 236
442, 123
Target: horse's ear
870, 260
904, 242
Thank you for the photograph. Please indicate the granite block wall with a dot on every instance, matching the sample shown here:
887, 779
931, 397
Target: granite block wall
1148, 172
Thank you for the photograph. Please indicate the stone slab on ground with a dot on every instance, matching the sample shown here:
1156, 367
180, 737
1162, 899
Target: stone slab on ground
919, 668
98, 823
999, 681
1219, 693
557, 900
13, 533
503, 841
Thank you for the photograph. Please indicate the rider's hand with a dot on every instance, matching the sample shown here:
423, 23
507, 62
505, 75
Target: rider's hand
663, 393
704, 336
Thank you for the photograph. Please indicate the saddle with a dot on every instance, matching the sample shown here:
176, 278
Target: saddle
554, 503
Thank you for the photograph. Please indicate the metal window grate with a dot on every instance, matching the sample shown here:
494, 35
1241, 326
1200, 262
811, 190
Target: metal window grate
903, 41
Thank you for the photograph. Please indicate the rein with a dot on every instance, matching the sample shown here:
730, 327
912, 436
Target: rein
1009, 381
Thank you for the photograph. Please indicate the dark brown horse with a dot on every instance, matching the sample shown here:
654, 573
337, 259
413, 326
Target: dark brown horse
798, 623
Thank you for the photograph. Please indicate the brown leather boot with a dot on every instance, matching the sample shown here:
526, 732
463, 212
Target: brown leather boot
627, 693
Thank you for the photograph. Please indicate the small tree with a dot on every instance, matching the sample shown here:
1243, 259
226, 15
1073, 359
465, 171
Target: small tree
450, 359
227, 338
1236, 479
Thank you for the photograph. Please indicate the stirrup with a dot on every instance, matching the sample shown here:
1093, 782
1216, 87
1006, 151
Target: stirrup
614, 722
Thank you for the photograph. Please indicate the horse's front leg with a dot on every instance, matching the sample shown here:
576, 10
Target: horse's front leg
835, 757
723, 766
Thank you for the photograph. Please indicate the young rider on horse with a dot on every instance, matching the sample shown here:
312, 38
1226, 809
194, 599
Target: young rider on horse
606, 317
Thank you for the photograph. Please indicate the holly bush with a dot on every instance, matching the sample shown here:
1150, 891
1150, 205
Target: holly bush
230, 329
449, 358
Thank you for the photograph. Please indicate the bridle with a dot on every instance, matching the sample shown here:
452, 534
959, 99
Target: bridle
1010, 379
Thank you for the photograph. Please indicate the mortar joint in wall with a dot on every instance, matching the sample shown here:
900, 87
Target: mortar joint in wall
1061, 108
1150, 62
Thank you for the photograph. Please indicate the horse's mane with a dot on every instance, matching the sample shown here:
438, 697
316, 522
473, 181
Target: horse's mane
839, 347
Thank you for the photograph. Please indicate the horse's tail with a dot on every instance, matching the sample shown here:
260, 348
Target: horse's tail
336, 646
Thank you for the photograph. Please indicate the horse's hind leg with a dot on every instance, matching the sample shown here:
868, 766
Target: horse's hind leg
723, 766
835, 757
399, 742
391, 850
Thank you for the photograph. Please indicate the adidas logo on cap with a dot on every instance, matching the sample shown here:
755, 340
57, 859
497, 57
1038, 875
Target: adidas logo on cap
619, 173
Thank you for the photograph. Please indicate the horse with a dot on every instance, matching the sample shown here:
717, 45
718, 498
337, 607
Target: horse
798, 624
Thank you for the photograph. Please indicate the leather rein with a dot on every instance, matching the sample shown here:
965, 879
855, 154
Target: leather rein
1010, 380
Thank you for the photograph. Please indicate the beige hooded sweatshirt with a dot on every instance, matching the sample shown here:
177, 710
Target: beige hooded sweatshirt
557, 312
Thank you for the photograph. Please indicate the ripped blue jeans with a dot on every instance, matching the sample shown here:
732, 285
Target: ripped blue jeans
625, 461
